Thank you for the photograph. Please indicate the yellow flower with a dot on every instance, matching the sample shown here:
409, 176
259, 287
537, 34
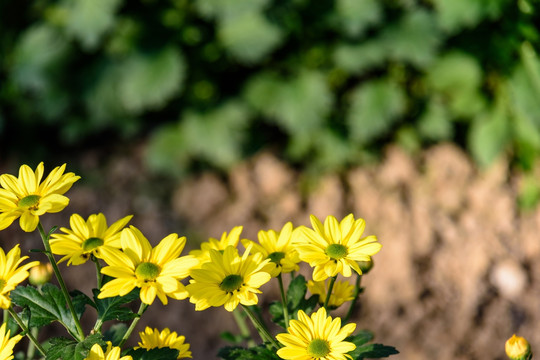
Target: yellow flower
336, 247
228, 280
316, 337
277, 247
112, 353
10, 275
157, 271
6, 343
40, 274
230, 239
342, 291
29, 198
87, 238
152, 338
517, 348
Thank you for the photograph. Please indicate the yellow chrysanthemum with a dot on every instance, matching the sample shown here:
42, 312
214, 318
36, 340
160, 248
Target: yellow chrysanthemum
230, 239
7, 343
153, 338
228, 280
87, 238
316, 338
342, 291
29, 198
112, 353
278, 247
336, 247
518, 348
157, 271
10, 274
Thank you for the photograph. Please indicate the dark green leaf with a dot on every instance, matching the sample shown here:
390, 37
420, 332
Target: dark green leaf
115, 333
80, 300
153, 354
112, 309
60, 348
296, 292
373, 351
260, 352
361, 338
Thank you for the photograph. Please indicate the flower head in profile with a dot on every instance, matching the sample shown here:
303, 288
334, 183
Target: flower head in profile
7, 343
156, 271
10, 274
335, 247
153, 338
27, 197
342, 291
278, 247
87, 238
111, 353
518, 348
316, 338
227, 239
228, 279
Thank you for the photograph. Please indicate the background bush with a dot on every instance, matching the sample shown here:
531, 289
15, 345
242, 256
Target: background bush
326, 83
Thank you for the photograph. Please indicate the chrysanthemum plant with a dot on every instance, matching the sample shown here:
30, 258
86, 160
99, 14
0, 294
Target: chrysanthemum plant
130, 273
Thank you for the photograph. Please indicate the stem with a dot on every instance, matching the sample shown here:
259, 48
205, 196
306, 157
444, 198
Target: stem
355, 298
50, 255
261, 329
283, 301
141, 311
329, 293
244, 330
25, 330
31, 347
98, 271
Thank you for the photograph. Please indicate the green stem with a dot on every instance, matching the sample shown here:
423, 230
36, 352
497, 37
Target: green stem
329, 293
141, 311
261, 329
355, 298
80, 336
244, 330
283, 301
25, 330
31, 347
98, 271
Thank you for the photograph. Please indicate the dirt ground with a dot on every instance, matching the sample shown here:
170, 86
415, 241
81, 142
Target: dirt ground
458, 273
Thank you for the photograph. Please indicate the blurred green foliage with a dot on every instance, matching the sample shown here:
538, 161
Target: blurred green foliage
327, 83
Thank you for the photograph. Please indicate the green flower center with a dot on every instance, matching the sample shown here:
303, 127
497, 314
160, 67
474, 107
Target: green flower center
336, 251
147, 271
318, 348
276, 257
231, 283
91, 243
29, 201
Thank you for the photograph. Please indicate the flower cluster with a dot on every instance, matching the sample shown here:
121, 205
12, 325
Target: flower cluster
218, 273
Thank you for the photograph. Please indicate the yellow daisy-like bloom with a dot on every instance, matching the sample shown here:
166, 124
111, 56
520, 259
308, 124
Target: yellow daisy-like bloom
112, 353
336, 247
157, 271
153, 338
230, 239
7, 343
316, 337
10, 274
278, 247
518, 348
342, 291
87, 238
228, 280
29, 198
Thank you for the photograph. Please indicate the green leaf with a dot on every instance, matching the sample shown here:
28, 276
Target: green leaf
529, 193
166, 152
45, 307
80, 300
228, 9
111, 308
358, 59
115, 333
296, 292
373, 351
435, 124
355, 16
69, 349
148, 81
153, 354
361, 338
375, 107
260, 352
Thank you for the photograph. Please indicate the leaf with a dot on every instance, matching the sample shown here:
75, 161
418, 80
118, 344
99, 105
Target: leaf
111, 308
228, 9
434, 124
148, 81
69, 349
260, 352
153, 354
361, 338
45, 307
355, 16
167, 151
80, 300
296, 291
115, 333
375, 107
374, 351
358, 59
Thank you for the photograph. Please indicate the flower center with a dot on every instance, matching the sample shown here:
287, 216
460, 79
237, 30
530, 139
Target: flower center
276, 257
231, 283
30, 201
91, 243
147, 271
318, 348
336, 251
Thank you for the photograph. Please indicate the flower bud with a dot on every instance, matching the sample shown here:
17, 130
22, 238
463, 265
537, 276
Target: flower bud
517, 348
40, 274
365, 266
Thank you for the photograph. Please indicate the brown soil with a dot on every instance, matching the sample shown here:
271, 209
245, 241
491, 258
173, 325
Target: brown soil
456, 277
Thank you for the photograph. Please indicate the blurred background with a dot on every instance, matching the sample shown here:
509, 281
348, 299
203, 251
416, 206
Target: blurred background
422, 117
